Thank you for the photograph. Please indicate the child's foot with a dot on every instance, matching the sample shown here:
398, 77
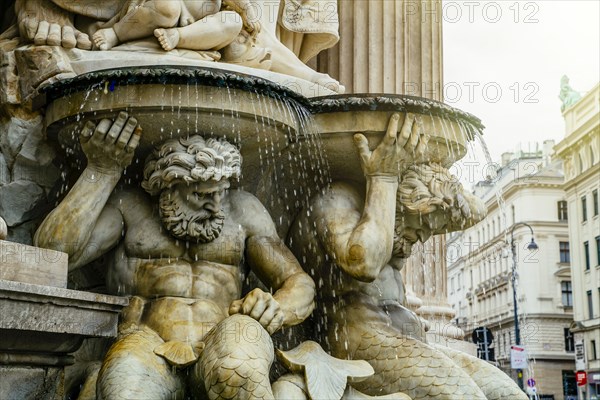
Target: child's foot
105, 39
168, 38
328, 82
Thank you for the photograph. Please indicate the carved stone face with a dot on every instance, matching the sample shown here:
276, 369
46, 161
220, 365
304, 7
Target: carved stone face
194, 212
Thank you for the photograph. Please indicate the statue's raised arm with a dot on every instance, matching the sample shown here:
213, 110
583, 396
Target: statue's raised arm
83, 225
362, 241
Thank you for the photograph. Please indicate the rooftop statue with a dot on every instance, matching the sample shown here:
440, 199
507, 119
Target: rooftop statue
245, 32
568, 96
179, 249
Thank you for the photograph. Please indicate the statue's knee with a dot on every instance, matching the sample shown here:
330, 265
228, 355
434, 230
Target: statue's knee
242, 330
232, 23
168, 12
131, 367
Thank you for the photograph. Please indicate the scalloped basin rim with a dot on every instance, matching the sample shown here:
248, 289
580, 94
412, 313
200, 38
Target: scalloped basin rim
169, 74
392, 102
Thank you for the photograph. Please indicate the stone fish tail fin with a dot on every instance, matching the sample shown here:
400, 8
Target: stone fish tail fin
236, 359
178, 354
326, 376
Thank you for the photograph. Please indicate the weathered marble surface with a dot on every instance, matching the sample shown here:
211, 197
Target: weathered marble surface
39, 328
56, 310
27, 172
179, 250
3, 229
28, 264
241, 32
357, 239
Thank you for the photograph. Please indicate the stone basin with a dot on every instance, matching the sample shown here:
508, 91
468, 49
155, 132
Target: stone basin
339, 117
287, 156
177, 102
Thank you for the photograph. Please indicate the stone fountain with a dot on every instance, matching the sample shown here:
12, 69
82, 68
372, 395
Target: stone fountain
179, 163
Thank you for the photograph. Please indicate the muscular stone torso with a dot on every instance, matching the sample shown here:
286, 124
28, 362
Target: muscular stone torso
190, 285
384, 297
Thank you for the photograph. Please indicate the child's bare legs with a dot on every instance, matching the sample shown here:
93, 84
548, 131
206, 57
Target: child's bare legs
283, 59
139, 23
210, 33
286, 62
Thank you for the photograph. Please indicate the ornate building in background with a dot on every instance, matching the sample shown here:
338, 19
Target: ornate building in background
480, 264
580, 152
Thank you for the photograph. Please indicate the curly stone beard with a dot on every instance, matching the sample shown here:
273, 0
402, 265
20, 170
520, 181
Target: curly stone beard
402, 246
201, 226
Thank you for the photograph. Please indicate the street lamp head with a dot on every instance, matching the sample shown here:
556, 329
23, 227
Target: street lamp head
533, 245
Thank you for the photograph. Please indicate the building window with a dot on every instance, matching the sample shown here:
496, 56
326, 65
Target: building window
595, 199
562, 211
567, 293
565, 255
584, 209
471, 278
569, 384
586, 251
594, 355
569, 341
590, 305
597, 250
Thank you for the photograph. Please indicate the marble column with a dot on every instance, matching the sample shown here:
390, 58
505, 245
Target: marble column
395, 47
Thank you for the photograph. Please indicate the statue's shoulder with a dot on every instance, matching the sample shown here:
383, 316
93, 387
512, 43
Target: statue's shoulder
247, 210
131, 201
339, 195
241, 200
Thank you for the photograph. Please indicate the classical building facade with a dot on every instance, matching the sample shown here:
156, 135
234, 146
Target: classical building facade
480, 264
580, 152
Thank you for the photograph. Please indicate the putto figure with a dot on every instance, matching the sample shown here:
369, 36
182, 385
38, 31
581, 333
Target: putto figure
180, 252
188, 24
280, 35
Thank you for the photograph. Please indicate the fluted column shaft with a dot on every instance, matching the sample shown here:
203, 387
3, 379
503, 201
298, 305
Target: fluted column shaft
388, 46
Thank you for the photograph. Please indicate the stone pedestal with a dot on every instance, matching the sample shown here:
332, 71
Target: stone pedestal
41, 325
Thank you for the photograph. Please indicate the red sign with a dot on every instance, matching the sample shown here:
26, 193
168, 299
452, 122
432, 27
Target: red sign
581, 378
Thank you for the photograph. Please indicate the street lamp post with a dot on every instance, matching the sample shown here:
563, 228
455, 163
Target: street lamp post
531, 246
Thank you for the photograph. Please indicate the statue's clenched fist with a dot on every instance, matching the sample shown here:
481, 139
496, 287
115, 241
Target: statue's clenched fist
262, 307
109, 146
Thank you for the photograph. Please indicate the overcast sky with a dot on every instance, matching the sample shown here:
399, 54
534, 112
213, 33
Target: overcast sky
503, 61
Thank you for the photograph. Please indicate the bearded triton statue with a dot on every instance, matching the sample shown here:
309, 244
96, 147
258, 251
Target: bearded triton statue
362, 236
188, 330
